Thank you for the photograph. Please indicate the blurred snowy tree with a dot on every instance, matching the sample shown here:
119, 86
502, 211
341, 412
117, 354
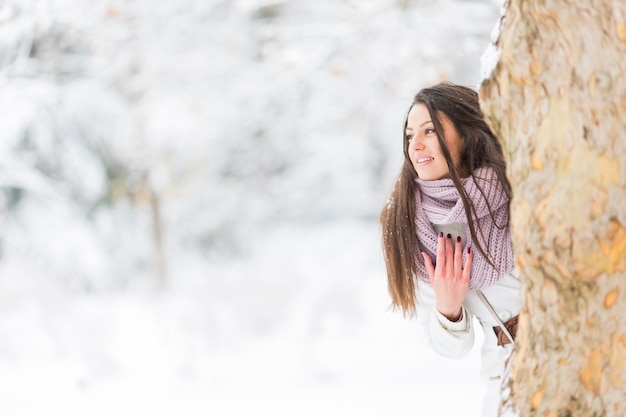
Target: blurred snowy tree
162, 127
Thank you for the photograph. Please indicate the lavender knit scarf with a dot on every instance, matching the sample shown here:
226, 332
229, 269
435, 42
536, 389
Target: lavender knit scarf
442, 196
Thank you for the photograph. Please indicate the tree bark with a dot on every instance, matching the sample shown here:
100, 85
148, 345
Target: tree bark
557, 100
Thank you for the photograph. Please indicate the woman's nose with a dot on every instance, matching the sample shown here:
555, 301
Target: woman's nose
417, 144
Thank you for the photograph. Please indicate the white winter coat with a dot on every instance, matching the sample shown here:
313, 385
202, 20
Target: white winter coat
455, 339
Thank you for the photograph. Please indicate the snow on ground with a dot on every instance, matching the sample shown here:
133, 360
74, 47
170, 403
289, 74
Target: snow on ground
300, 326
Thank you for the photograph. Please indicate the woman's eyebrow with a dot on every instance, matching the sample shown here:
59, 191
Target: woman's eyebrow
423, 123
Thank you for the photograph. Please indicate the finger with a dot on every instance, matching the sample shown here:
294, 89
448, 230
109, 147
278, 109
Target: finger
458, 257
430, 269
441, 252
468, 264
449, 256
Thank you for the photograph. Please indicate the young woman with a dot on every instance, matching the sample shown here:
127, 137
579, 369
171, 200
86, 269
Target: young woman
446, 236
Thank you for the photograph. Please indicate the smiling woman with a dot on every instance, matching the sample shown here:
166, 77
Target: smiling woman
446, 232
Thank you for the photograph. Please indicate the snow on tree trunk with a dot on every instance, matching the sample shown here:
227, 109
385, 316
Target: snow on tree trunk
557, 99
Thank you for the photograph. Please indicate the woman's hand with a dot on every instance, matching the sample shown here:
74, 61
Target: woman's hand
449, 280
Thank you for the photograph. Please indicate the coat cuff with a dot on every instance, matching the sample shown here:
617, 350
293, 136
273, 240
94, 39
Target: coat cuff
460, 326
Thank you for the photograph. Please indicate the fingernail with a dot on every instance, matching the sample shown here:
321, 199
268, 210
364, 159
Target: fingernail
449, 236
458, 239
440, 234
469, 249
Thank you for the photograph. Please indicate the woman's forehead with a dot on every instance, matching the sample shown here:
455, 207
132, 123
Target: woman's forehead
418, 114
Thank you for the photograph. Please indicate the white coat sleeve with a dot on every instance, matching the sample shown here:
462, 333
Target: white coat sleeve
449, 339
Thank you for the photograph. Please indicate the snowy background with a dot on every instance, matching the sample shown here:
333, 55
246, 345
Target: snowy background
189, 193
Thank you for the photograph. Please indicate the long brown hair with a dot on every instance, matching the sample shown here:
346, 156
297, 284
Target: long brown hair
480, 149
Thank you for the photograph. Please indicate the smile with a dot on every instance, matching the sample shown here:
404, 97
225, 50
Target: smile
422, 160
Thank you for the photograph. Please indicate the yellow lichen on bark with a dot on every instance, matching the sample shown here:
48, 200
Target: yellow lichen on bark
583, 163
592, 373
611, 298
535, 67
582, 178
611, 256
617, 361
606, 171
535, 163
621, 31
535, 400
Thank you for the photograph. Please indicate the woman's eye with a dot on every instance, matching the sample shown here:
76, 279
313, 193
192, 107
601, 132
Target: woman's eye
429, 131
408, 137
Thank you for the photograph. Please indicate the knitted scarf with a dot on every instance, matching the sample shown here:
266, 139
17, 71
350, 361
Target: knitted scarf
442, 197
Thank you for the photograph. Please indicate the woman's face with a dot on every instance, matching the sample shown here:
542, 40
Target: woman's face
423, 146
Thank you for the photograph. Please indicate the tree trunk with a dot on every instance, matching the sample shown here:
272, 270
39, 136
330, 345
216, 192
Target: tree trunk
557, 99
